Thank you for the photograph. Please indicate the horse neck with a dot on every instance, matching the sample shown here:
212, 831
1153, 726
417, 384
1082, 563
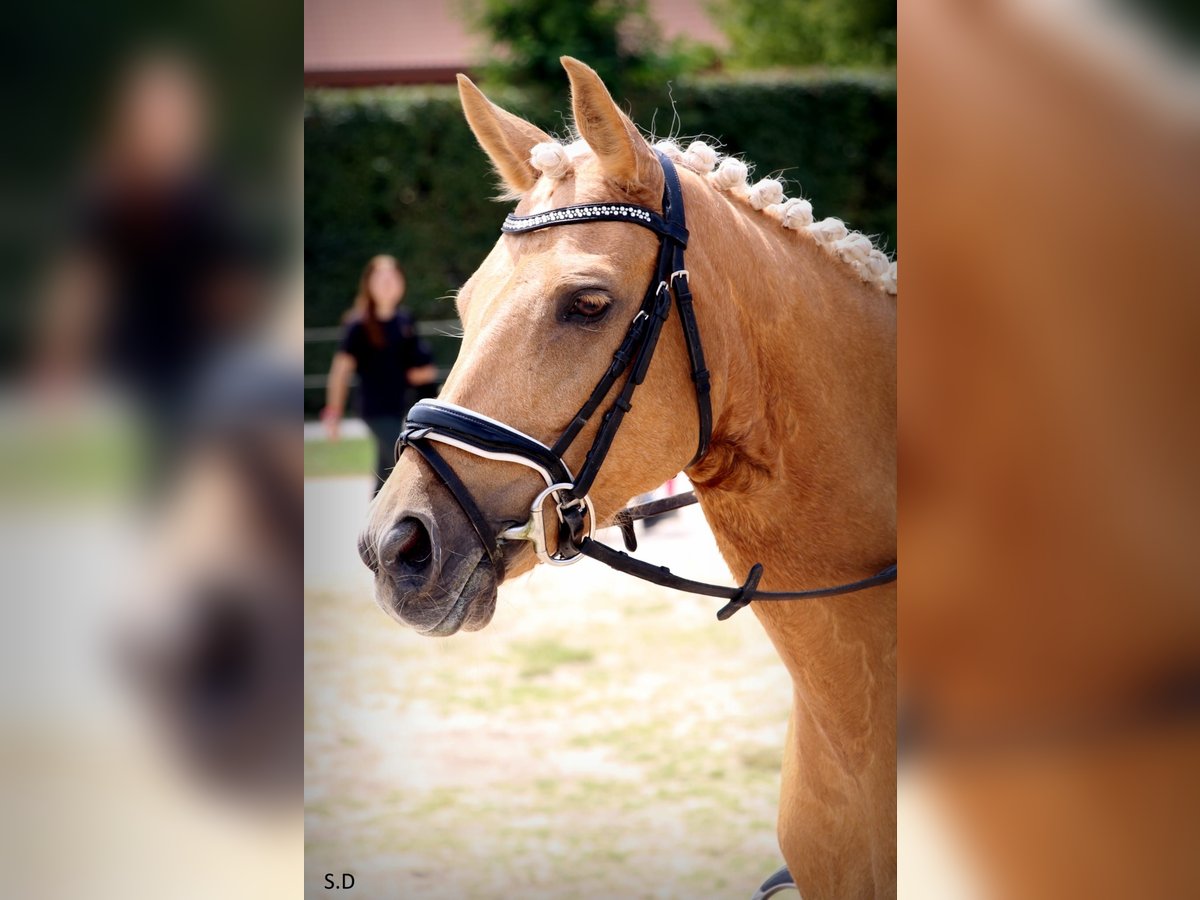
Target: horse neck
801, 474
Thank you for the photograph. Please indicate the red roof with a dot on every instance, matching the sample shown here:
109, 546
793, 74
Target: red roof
419, 41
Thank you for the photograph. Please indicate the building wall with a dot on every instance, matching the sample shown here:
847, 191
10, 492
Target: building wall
397, 41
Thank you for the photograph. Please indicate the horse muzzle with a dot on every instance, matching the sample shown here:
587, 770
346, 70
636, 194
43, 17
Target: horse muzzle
423, 583
431, 571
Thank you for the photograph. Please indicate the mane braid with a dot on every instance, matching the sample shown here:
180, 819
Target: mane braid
732, 176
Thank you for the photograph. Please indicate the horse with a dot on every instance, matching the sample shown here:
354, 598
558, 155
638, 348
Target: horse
798, 319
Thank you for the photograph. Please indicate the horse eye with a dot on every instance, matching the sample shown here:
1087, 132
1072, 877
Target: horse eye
589, 306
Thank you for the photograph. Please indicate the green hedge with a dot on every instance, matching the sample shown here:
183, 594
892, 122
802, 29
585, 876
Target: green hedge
397, 171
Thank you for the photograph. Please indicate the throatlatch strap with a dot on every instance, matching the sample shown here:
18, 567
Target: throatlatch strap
678, 283
625, 518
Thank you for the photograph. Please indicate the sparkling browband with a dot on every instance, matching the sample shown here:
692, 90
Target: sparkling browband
592, 212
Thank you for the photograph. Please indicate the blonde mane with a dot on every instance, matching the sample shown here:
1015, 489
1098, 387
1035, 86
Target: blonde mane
732, 176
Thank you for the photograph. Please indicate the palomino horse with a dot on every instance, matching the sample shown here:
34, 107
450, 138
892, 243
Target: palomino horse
799, 333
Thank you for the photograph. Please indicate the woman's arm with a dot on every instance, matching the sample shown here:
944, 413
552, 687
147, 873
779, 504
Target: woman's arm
423, 372
73, 315
336, 392
422, 375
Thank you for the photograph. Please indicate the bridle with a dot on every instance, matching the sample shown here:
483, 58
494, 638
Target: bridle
438, 422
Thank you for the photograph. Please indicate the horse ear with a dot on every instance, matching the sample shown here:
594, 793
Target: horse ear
505, 138
627, 159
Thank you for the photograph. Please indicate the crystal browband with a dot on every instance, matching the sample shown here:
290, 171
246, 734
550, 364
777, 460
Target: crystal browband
595, 212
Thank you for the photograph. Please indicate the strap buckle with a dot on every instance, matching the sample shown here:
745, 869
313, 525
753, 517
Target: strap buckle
669, 283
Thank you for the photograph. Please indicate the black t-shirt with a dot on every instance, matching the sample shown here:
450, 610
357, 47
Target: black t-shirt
164, 258
382, 378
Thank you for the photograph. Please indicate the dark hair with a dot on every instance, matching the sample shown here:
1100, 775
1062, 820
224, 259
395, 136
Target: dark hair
363, 309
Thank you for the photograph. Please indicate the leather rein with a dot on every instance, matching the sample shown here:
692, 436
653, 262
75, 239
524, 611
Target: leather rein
436, 421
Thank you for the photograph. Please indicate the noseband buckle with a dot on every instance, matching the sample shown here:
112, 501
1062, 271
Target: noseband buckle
534, 530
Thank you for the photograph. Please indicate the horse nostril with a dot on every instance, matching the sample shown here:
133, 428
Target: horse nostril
366, 552
407, 548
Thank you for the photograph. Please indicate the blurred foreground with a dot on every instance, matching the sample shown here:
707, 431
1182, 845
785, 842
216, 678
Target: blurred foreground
1050, 513
150, 465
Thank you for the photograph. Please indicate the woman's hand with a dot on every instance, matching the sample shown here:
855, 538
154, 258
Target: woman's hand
422, 375
336, 393
332, 420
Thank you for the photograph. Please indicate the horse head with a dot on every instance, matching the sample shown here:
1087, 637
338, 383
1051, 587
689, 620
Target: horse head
542, 318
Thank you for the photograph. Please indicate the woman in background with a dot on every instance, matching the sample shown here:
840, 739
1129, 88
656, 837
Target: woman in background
381, 345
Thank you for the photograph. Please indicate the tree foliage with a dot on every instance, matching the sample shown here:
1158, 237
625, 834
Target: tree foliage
769, 33
618, 38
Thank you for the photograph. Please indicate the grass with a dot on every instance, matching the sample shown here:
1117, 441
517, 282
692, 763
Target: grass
542, 657
68, 461
325, 459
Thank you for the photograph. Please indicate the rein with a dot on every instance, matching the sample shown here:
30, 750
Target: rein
436, 421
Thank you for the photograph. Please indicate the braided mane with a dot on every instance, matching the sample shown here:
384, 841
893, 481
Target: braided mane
731, 175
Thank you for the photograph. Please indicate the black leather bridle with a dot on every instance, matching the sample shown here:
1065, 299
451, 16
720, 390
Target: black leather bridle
436, 421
